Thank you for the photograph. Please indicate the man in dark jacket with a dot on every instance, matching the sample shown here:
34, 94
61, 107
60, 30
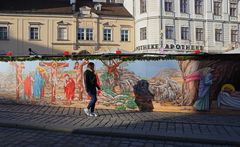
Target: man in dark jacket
91, 88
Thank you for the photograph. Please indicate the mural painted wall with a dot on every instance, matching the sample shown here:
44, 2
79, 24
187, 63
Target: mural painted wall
164, 85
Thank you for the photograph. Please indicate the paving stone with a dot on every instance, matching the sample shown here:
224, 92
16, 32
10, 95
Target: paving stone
125, 122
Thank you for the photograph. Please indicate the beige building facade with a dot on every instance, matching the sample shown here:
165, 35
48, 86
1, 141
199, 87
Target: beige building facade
55, 30
108, 34
42, 33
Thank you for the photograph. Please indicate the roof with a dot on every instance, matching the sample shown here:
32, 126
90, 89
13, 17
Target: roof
108, 9
60, 7
36, 6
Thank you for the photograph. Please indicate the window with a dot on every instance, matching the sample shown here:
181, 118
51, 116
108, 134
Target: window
89, 34
218, 35
81, 34
3, 32
198, 6
233, 9
85, 34
169, 6
62, 33
234, 35
124, 34
199, 34
34, 33
107, 34
217, 8
183, 6
143, 6
110, 1
184, 33
143, 33
169, 32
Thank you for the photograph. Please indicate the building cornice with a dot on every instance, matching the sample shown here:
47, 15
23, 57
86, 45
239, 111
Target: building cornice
38, 15
186, 19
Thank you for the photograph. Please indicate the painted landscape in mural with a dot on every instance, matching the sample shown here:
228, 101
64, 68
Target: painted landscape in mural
164, 85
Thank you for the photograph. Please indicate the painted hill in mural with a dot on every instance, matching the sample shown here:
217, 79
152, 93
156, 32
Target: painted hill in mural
168, 72
164, 89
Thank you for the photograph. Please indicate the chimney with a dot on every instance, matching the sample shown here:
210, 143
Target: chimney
73, 4
98, 7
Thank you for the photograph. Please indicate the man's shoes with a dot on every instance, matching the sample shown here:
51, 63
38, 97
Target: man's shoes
93, 114
87, 112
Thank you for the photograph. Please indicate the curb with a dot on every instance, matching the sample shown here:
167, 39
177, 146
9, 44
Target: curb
157, 136
125, 133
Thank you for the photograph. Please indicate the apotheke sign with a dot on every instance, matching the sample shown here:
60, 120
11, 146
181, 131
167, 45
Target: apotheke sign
175, 47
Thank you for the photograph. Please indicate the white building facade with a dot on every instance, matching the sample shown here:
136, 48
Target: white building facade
174, 26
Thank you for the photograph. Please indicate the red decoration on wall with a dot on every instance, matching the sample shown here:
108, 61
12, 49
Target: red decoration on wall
197, 51
9, 54
118, 52
66, 53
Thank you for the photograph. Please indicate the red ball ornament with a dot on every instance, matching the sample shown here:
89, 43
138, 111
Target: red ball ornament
66, 53
9, 54
197, 51
118, 52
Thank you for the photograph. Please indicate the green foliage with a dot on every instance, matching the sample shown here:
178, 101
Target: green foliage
120, 101
131, 104
121, 108
126, 92
104, 76
108, 90
125, 57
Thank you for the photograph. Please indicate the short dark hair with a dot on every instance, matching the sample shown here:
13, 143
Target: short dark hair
91, 65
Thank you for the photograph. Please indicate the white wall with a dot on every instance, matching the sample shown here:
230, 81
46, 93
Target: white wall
207, 20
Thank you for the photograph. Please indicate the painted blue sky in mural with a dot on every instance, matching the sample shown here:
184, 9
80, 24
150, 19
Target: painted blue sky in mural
149, 69
144, 69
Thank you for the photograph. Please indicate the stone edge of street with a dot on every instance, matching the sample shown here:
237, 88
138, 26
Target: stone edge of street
125, 134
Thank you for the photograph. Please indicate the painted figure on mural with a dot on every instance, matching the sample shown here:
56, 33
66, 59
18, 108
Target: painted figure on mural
79, 76
228, 97
43, 74
19, 79
203, 102
69, 88
28, 87
143, 96
38, 83
54, 66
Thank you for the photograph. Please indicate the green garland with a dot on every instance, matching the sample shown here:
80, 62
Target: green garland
126, 57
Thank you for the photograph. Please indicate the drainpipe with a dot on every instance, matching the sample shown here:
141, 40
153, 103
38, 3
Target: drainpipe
76, 16
161, 23
98, 33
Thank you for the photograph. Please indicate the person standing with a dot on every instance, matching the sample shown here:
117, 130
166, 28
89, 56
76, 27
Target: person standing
203, 101
91, 87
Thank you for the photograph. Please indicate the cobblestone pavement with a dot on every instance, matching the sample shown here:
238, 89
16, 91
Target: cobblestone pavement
194, 127
23, 137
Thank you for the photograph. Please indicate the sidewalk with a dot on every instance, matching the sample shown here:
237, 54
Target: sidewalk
191, 127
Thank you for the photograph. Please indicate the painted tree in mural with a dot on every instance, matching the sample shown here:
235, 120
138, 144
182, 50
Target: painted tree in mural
112, 70
190, 75
54, 66
223, 72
